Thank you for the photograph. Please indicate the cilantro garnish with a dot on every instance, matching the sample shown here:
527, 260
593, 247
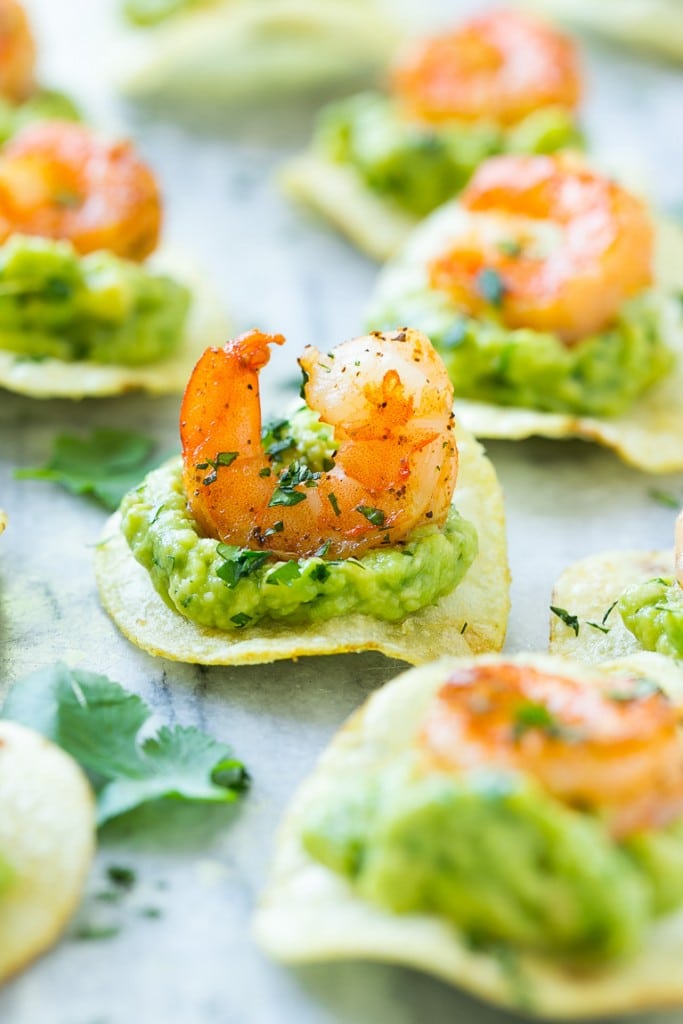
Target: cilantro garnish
373, 515
569, 620
104, 465
295, 474
332, 498
510, 247
276, 439
105, 729
664, 498
277, 527
238, 563
491, 286
285, 573
609, 611
241, 619
597, 625
464, 627
320, 573
222, 459
533, 716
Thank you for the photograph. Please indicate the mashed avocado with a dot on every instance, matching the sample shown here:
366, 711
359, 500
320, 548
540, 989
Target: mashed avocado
496, 856
418, 166
600, 375
42, 106
228, 588
55, 303
653, 612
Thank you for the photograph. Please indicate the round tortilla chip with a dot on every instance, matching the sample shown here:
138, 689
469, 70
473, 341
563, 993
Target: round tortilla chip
588, 589
310, 914
56, 378
472, 618
647, 436
47, 838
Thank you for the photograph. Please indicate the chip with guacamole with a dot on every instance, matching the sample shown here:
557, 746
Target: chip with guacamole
440, 831
47, 840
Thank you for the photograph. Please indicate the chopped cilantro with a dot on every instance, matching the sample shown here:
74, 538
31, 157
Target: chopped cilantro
285, 573
609, 611
332, 498
241, 619
491, 286
222, 459
464, 627
373, 515
238, 563
285, 497
510, 247
304, 382
664, 498
276, 439
597, 625
120, 876
277, 527
320, 573
533, 716
569, 620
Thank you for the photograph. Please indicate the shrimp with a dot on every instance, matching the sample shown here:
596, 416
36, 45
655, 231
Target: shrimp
500, 67
614, 749
59, 180
17, 53
389, 400
679, 549
554, 245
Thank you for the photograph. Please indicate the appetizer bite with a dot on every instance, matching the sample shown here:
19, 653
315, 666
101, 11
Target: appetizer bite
501, 82
225, 52
47, 839
80, 313
512, 825
621, 602
330, 531
551, 296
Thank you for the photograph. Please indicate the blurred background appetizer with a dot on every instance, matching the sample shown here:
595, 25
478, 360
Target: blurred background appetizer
500, 82
329, 531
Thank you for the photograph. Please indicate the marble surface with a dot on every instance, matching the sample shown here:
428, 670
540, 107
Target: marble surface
182, 950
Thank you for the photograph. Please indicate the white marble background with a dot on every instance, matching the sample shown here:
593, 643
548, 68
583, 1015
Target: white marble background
202, 870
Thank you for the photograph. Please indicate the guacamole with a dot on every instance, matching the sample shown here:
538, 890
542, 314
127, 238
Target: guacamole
418, 166
653, 612
600, 375
42, 106
498, 857
229, 588
55, 303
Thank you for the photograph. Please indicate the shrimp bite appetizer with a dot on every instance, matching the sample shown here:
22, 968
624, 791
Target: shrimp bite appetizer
500, 82
221, 53
47, 840
553, 299
511, 825
330, 531
82, 311
621, 602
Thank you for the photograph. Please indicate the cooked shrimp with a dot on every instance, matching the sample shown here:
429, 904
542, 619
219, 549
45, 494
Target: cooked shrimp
17, 52
498, 66
59, 180
388, 398
679, 549
554, 245
615, 750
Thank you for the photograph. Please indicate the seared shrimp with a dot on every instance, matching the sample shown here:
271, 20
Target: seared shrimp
498, 66
388, 398
59, 180
679, 549
17, 52
554, 245
615, 750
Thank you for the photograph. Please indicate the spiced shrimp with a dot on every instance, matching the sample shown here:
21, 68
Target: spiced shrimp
60, 180
17, 52
549, 243
389, 401
614, 749
499, 66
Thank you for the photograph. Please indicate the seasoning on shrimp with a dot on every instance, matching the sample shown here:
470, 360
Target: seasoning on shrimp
60, 180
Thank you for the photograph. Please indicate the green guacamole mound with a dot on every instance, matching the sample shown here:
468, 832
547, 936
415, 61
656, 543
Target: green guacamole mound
55, 303
600, 375
497, 857
417, 166
216, 585
45, 105
653, 612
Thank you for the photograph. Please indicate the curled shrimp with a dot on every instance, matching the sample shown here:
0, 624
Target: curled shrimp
17, 52
499, 66
615, 750
679, 549
388, 398
59, 180
554, 245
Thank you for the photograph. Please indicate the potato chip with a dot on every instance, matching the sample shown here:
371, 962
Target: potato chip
56, 378
310, 914
47, 839
472, 618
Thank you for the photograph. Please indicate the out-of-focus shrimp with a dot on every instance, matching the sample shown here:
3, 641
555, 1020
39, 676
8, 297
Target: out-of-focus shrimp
615, 750
499, 66
679, 549
17, 52
59, 180
552, 244
388, 398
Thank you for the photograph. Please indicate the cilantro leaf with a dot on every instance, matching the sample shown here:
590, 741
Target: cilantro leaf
104, 465
664, 498
373, 515
239, 562
99, 723
572, 621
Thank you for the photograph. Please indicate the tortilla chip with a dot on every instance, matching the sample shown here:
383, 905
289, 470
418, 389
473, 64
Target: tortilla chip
472, 618
47, 837
234, 51
588, 589
3, 520
648, 436
310, 914
56, 378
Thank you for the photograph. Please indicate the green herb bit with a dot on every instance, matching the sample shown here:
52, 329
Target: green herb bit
510, 247
332, 498
464, 627
320, 573
285, 497
277, 527
373, 515
238, 563
285, 573
276, 440
304, 382
569, 620
664, 498
222, 459
609, 611
597, 625
122, 877
491, 286
241, 619
533, 716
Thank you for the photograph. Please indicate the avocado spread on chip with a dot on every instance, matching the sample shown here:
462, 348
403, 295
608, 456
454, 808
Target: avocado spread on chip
653, 612
55, 303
